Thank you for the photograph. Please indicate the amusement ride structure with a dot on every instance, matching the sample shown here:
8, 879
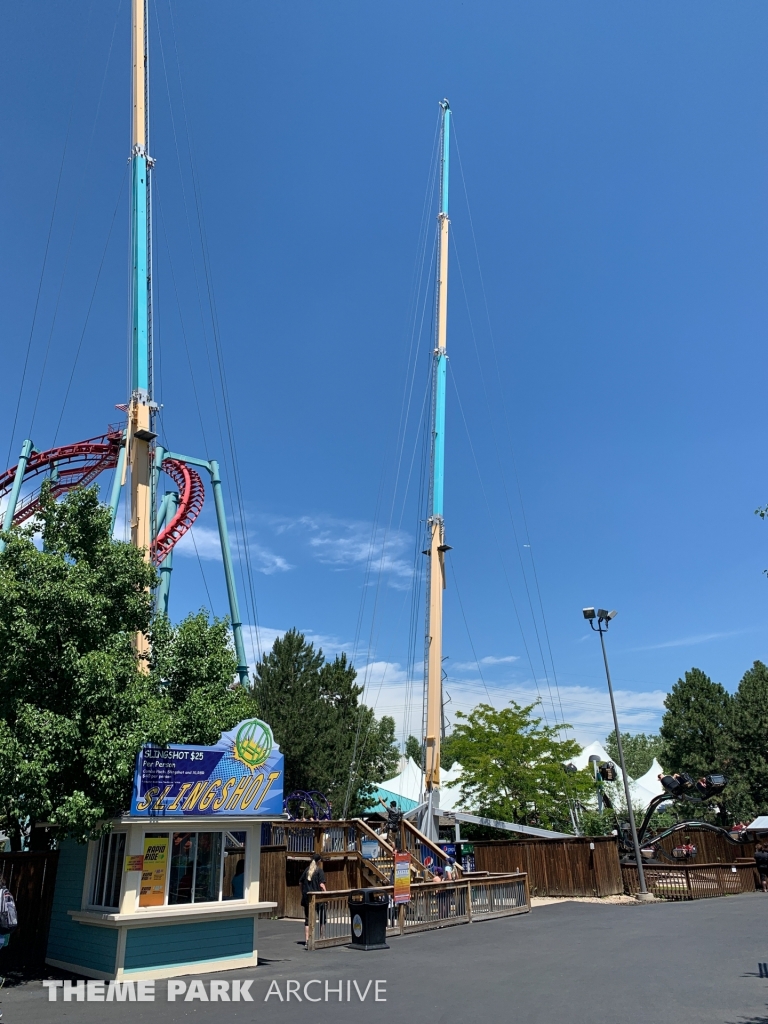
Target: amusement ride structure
130, 448
433, 642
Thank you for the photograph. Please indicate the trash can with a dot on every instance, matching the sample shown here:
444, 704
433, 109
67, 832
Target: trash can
368, 910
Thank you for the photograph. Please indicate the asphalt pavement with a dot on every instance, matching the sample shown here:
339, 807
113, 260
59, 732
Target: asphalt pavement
568, 963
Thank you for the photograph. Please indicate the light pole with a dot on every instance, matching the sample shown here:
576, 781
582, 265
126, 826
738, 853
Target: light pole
603, 618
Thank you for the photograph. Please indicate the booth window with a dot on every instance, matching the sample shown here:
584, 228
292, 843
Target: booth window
109, 870
205, 867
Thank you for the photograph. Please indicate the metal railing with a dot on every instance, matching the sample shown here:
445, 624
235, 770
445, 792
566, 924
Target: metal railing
691, 882
432, 905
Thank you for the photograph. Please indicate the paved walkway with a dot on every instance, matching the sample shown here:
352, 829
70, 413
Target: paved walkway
564, 963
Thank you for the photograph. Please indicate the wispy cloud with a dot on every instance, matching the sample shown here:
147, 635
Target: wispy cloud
349, 544
690, 641
489, 659
203, 541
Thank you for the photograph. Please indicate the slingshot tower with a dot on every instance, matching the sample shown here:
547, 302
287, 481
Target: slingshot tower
131, 448
433, 643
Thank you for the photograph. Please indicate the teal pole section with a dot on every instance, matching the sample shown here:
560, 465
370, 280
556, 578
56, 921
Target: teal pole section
140, 362
167, 511
237, 626
13, 499
117, 484
445, 157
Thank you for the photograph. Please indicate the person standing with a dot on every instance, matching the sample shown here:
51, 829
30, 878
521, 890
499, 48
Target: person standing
761, 863
312, 880
450, 872
8, 917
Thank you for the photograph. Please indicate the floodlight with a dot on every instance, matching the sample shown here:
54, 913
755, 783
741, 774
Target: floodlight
605, 616
588, 613
571, 768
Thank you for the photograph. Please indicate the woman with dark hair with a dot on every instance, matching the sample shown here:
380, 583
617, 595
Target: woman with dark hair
312, 880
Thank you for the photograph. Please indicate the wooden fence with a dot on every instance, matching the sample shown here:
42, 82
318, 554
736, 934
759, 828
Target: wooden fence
711, 847
432, 905
272, 877
581, 866
691, 882
30, 877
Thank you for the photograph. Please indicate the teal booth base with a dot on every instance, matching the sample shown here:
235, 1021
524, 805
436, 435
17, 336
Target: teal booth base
164, 951
151, 943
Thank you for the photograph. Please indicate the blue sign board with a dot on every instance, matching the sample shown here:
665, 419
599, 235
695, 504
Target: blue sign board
240, 776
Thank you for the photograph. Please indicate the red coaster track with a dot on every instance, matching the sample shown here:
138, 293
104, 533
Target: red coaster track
78, 465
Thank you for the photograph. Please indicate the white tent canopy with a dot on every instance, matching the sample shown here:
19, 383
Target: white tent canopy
409, 784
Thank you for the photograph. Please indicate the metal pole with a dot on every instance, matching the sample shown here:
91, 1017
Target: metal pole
167, 511
117, 484
234, 609
633, 829
26, 451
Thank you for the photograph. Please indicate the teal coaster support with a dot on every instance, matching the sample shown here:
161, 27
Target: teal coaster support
212, 467
13, 498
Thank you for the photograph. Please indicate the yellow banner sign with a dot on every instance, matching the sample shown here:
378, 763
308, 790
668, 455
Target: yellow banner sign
154, 872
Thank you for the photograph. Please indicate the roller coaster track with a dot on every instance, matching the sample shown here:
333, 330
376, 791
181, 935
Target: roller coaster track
78, 465
191, 498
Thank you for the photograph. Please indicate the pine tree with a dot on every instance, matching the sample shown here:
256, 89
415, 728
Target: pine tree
287, 695
330, 740
696, 726
748, 773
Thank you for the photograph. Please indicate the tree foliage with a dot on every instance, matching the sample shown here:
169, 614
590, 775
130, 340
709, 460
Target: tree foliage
513, 767
74, 705
696, 727
331, 741
747, 768
413, 749
639, 751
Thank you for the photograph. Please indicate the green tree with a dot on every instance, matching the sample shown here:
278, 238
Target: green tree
286, 691
747, 793
359, 750
193, 668
448, 755
75, 707
513, 767
413, 749
330, 740
639, 751
696, 727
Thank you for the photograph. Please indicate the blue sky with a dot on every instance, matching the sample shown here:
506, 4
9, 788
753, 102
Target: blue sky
611, 333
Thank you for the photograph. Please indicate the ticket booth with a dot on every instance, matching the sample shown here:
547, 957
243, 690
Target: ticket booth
173, 887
